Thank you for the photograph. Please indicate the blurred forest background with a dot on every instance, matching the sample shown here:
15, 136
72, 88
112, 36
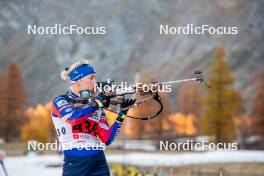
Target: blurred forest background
232, 111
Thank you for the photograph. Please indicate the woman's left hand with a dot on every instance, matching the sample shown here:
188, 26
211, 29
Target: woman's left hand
105, 100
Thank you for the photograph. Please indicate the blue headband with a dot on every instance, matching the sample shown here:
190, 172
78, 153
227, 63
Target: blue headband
80, 72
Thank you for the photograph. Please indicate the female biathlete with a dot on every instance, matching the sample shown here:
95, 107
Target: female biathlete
82, 132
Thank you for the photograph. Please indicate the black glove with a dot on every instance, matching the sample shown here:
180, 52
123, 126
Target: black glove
126, 103
104, 99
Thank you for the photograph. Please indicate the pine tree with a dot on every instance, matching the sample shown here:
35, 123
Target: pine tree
221, 102
14, 99
258, 110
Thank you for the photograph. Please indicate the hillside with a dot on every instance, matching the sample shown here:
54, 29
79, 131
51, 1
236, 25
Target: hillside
132, 41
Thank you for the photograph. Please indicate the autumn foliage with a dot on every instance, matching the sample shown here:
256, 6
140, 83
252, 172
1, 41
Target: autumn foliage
39, 127
183, 125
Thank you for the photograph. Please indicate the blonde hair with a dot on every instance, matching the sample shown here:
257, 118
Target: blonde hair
65, 73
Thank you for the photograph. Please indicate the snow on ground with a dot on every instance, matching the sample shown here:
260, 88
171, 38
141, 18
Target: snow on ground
33, 165
36, 165
168, 159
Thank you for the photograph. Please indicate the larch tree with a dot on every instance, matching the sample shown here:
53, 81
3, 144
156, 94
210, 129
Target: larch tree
258, 110
190, 101
221, 102
3, 106
14, 99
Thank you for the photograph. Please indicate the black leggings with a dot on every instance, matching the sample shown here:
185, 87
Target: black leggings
94, 165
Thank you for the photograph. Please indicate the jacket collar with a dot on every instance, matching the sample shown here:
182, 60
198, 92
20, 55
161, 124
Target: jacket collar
72, 95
